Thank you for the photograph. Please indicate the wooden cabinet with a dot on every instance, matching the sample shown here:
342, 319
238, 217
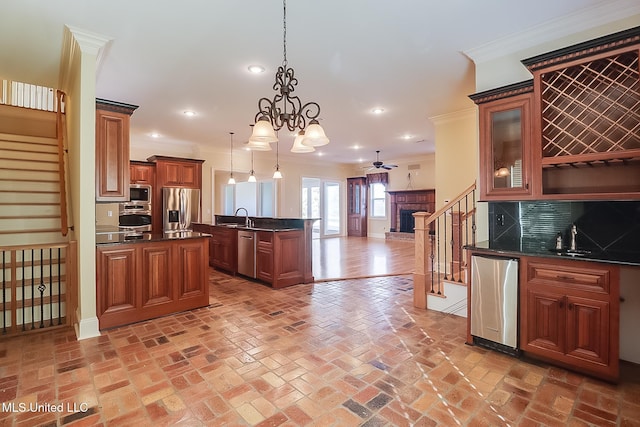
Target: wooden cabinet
505, 142
569, 314
357, 206
174, 172
117, 277
143, 280
112, 150
224, 244
265, 255
142, 173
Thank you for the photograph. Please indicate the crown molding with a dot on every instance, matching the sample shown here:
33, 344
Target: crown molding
76, 41
601, 14
454, 116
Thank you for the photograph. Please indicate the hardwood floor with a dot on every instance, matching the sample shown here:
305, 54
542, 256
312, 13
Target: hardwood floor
360, 257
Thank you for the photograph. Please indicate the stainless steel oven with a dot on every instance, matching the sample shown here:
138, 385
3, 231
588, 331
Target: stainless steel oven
135, 215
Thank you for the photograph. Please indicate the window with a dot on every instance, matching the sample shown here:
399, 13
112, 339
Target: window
378, 200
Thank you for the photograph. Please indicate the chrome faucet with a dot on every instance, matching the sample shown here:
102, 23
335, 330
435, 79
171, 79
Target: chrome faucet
246, 216
574, 231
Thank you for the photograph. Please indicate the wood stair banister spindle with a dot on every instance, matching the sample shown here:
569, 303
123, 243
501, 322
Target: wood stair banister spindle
60, 131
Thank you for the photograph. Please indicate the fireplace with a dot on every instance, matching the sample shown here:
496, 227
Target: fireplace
407, 221
405, 203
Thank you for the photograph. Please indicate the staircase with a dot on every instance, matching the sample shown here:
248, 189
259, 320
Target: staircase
441, 274
38, 266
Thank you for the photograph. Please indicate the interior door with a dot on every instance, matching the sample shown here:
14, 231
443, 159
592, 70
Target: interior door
357, 206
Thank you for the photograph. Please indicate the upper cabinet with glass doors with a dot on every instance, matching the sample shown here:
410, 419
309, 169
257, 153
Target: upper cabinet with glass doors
505, 142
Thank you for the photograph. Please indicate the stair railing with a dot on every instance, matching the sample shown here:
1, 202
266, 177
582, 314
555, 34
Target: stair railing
440, 240
61, 133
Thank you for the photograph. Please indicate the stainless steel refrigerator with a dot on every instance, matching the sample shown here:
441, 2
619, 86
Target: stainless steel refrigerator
180, 208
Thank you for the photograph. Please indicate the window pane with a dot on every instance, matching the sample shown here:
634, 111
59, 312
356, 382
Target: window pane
378, 200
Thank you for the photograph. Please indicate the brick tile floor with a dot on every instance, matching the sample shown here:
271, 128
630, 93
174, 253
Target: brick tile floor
338, 353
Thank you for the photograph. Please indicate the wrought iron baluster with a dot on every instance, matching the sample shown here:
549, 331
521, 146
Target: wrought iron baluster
438, 244
432, 256
451, 242
22, 298
41, 288
50, 288
4, 297
473, 218
59, 290
466, 219
460, 242
33, 290
444, 217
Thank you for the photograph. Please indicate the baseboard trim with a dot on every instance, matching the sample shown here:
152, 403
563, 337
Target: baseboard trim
87, 328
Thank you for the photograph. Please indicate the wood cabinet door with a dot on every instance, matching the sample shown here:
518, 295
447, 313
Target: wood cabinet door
112, 156
544, 323
172, 173
157, 288
357, 206
142, 174
192, 276
116, 285
264, 256
505, 148
190, 175
588, 330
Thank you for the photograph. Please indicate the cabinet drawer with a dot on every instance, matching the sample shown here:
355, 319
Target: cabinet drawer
580, 276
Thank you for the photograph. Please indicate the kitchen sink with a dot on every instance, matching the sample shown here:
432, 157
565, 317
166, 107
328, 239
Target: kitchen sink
571, 252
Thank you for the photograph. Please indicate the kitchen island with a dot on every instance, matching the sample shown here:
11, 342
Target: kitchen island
148, 275
276, 251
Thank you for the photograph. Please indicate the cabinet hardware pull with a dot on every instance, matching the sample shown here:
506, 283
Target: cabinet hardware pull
561, 303
565, 277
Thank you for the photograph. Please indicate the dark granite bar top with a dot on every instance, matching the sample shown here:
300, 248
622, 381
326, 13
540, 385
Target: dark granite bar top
610, 257
120, 238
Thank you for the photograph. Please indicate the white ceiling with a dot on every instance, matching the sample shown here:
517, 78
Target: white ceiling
168, 56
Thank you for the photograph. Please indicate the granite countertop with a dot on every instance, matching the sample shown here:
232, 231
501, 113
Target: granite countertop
242, 227
105, 238
610, 257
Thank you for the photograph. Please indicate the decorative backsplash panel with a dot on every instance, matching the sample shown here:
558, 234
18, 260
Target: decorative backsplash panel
612, 226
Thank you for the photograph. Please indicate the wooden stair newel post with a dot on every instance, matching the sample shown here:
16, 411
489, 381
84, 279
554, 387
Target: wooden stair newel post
422, 272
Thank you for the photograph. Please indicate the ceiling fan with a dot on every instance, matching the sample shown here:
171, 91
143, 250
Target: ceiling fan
380, 165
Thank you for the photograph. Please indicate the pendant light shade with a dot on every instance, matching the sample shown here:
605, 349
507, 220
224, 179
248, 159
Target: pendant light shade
277, 174
298, 147
232, 180
263, 132
314, 135
252, 175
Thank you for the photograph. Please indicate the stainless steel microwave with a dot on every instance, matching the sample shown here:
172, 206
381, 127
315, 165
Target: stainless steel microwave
139, 193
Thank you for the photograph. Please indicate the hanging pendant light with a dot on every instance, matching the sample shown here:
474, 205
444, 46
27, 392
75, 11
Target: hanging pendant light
286, 109
231, 178
261, 143
277, 174
252, 175
298, 147
314, 135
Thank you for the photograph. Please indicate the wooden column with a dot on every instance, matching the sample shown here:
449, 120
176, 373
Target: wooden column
422, 271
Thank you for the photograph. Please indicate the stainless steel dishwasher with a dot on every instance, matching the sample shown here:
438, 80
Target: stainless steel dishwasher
494, 303
247, 253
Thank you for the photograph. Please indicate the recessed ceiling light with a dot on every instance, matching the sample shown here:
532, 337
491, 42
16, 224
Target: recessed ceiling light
356, 147
189, 113
320, 153
256, 69
154, 135
377, 110
407, 136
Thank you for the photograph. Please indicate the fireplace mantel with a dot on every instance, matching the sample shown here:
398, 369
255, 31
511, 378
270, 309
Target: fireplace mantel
418, 200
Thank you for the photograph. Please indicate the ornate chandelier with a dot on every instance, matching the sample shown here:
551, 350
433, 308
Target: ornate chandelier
286, 110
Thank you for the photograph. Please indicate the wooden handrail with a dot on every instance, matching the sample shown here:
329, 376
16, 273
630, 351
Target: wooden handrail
449, 205
60, 131
34, 247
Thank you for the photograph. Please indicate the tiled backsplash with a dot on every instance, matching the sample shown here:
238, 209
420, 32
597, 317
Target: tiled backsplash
533, 226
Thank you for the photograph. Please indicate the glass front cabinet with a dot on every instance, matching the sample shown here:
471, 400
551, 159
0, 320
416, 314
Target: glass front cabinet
505, 142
